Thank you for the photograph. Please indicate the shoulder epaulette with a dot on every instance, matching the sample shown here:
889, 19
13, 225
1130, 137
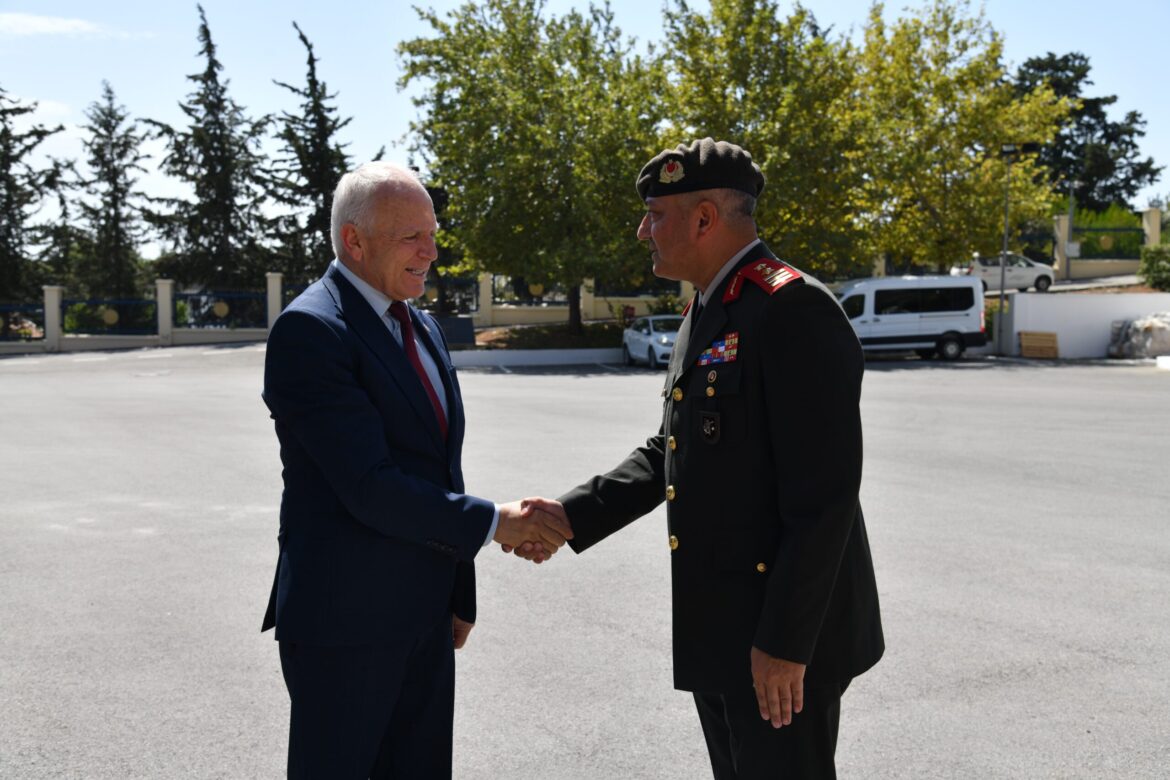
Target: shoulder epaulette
769, 274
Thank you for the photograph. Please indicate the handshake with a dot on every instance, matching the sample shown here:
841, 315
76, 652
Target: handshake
534, 528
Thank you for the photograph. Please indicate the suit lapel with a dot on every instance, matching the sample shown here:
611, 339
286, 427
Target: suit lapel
361, 319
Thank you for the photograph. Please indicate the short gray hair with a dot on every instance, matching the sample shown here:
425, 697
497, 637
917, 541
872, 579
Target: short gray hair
734, 205
356, 193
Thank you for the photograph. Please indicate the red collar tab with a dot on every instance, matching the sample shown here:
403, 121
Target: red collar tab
687, 307
769, 274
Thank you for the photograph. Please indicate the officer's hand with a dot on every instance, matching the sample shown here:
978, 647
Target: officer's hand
460, 630
535, 551
779, 687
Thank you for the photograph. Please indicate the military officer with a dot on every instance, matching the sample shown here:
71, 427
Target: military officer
759, 462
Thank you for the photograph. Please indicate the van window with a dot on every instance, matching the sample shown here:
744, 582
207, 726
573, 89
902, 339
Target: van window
854, 305
905, 301
947, 298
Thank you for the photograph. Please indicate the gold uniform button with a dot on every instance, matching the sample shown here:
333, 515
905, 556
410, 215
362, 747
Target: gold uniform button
673, 542
670, 492
710, 392
672, 443
677, 394
761, 567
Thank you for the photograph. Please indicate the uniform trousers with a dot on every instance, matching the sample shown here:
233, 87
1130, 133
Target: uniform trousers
377, 711
744, 746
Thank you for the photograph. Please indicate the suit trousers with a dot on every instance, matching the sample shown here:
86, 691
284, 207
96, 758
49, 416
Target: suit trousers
378, 711
744, 746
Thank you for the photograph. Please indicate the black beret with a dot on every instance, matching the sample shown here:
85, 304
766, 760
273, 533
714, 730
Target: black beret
704, 165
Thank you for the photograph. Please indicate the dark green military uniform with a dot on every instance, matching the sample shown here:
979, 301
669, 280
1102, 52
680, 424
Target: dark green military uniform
759, 460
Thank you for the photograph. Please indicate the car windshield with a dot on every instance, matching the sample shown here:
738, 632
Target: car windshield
669, 325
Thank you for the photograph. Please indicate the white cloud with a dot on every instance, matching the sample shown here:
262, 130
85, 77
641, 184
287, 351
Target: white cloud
24, 25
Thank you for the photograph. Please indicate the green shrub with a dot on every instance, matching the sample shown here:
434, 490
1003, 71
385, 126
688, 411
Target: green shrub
667, 303
1155, 266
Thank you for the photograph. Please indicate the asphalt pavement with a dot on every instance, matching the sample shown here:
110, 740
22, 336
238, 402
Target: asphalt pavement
1018, 514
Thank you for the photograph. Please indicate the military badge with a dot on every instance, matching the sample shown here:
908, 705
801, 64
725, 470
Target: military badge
724, 350
769, 274
709, 426
671, 172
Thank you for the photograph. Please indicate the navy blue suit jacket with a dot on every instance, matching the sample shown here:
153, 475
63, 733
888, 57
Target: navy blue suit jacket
376, 534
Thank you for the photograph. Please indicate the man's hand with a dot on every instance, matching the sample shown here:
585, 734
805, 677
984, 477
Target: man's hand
779, 687
460, 630
535, 551
526, 522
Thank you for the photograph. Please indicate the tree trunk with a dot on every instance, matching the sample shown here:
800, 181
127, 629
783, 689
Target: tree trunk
575, 325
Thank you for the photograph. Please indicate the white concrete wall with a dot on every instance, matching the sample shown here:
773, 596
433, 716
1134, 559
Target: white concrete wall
1081, 322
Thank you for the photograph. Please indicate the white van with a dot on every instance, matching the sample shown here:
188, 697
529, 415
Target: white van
932, 315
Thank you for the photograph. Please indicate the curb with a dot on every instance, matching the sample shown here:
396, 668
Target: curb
533, 357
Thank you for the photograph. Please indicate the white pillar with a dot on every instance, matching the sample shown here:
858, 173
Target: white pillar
483, 316
164, 300
1152, 224
53, 294
275, 283
1061, 235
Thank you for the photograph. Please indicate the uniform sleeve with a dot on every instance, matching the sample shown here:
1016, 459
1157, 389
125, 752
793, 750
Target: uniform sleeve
812, 369
312, 388
611, 501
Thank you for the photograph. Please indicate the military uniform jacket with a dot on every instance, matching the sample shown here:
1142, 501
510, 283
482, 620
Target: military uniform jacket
759, 461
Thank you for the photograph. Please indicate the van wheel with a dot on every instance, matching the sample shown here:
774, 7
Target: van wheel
950, 348
925, 354
1043, 283
627, 358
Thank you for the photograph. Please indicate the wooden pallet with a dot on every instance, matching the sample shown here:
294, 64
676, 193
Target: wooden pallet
1036, 344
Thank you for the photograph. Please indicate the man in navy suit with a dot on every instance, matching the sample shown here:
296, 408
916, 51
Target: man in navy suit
375, 585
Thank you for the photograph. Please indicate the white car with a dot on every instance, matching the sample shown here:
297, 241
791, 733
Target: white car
650, 339
1021, 273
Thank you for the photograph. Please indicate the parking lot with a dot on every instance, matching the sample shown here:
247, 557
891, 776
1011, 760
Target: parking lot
1019, 516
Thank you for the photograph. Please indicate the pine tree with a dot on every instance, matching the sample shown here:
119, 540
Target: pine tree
112, 215
22, 187
1102, 156
216, 239
306, 174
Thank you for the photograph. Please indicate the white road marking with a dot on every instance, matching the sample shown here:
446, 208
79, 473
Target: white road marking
91, 359
154, 355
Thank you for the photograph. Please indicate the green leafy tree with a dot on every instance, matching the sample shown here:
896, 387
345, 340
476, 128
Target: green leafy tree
536, 128
216, 238
938, 110
113, 265
22, 188
1101, 155
306, 173
785, 90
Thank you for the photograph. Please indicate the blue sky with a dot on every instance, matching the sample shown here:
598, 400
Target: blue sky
57, 52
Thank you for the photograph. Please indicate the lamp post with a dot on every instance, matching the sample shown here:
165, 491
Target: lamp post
1008, 152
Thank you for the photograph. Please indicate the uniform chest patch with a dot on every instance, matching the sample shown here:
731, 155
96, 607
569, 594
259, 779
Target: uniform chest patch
709, 426
724, 350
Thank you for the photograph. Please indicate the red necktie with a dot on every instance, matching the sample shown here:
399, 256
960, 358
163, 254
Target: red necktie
398, 311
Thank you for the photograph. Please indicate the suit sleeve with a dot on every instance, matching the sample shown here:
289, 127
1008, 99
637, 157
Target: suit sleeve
812, 371
611, 501
312, 387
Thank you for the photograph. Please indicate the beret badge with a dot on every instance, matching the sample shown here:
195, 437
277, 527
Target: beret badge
671, 172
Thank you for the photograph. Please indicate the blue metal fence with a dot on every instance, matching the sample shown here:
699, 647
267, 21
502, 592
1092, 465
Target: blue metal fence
109, 316
22, 322
221, 309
